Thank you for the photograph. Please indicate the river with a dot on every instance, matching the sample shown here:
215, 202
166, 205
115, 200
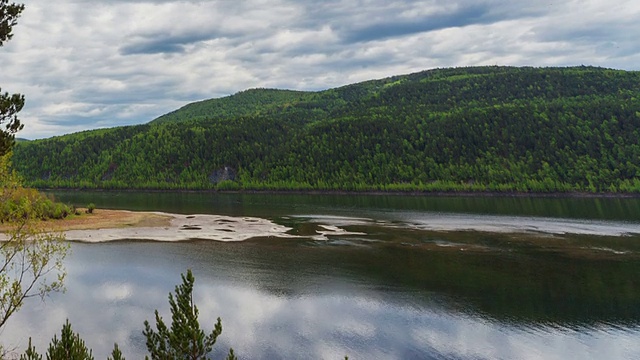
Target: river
395, 277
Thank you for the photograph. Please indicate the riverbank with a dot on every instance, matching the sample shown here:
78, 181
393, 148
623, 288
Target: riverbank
507, 194
108, 219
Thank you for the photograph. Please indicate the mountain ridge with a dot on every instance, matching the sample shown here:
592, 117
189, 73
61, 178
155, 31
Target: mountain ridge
455, 129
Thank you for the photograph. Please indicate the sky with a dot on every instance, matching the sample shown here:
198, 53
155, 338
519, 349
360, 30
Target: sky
86, 64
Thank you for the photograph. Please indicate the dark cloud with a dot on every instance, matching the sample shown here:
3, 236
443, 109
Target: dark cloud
476, 14
593, 33
152, 47
163, 44
379, 20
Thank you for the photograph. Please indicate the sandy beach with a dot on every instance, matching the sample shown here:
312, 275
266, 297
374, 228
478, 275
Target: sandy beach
109, 219
113, 225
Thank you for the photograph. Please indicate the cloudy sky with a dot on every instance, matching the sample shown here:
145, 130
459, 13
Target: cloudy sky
85, 64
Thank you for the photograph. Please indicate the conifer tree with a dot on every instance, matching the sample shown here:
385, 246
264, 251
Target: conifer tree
116, 354
184, 339
30, 353
69, 347
10, 104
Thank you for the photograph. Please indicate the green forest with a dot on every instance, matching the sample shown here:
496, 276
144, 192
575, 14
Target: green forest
499, 129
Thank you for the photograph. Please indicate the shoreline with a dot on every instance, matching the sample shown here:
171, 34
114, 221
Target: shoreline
516, 194
103, 219
106, 225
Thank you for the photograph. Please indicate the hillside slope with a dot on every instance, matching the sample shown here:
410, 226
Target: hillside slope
478, 128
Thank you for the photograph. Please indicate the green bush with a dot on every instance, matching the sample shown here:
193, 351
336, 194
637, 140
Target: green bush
19, 203
228, 185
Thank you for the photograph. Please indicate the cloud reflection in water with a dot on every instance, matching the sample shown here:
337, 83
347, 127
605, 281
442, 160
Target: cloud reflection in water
113, 288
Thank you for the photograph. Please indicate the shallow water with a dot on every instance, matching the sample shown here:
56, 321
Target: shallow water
406, 278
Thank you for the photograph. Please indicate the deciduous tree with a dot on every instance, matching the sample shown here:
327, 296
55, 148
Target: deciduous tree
30, 258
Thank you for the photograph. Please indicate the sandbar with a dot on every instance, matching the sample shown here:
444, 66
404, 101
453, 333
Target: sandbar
113, 225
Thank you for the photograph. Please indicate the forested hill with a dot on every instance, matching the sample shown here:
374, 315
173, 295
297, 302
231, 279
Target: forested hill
478, 128
249, 102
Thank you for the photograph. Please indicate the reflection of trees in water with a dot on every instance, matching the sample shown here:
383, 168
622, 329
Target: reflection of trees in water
268, 205
569, 279
515, 281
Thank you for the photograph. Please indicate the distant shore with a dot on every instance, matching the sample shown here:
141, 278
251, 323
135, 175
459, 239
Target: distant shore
575, 194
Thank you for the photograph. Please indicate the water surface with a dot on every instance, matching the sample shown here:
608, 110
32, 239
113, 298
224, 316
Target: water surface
413, 277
